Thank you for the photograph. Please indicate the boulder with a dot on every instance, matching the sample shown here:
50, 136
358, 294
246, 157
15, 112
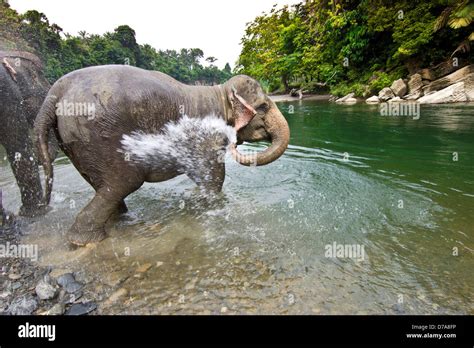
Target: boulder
348, 99
441, 70
469, 87
415, 87
399, 88
395, 100
373, 100
386, 94
449, 80
451, 94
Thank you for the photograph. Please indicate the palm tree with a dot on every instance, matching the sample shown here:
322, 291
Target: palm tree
458, 14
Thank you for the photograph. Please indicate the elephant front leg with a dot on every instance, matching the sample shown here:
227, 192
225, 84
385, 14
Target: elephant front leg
89, 226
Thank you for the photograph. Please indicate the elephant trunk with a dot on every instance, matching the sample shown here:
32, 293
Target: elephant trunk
277, 127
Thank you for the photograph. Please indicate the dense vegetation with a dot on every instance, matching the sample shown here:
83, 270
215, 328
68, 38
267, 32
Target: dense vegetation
63, 53
354, 46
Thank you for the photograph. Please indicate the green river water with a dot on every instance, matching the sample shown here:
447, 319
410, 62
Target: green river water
401, 188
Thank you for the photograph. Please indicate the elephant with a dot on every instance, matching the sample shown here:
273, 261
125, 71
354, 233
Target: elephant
23, 88
124, 100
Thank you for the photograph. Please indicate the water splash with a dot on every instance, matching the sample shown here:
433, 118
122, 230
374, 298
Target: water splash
183, 143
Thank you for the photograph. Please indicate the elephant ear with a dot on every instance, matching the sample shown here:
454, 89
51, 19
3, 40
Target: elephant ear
242, 111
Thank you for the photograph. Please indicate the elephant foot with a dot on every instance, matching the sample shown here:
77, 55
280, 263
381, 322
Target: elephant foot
33, 211
81, 237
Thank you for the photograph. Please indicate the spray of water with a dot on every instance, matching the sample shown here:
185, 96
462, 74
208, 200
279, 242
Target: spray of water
184, 144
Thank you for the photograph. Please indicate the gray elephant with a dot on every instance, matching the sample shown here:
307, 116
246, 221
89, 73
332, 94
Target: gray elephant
93, 109
22, 92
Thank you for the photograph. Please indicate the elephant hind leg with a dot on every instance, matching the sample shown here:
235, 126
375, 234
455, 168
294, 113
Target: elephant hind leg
89, 226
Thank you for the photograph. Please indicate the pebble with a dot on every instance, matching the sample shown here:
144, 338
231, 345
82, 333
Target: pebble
73, 287
224, 310
159, 263
122, 292
143, 268
24, 305
16, 285
5, 294
81, 308
65, 279
71, 298
57, 309
14, 276
45, 290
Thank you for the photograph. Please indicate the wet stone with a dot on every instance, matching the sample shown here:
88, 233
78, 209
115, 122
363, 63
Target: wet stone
81, 308
24, 305
45, 290
71, 298
57, 309
73, 287
65, 279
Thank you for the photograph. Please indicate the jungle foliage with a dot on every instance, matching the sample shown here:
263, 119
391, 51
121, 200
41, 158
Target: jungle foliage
353, 46
63, 53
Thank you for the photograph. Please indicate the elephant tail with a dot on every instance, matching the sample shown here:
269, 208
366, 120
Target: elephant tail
45, 122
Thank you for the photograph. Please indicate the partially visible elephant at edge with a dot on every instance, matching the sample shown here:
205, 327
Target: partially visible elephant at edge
22, 91
128, 99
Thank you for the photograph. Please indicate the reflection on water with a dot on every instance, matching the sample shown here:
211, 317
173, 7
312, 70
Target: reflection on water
350, 177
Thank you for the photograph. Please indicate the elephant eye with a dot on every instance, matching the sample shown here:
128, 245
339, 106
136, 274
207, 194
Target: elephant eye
262, 107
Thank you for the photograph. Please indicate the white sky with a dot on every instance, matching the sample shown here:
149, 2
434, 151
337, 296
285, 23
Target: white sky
215, 26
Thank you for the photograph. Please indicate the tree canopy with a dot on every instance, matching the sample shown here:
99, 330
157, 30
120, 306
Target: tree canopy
353, 46
63, 53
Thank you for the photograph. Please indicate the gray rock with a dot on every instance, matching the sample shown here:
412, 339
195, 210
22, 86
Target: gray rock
395, 100
73, 287
65, 279
24, 305
81, 308
70, 298
451, 94
455, 77
399, 88
373, 100
386, 94
469, 86
415, 87
440, 70
45, 290
57, 309
348, 99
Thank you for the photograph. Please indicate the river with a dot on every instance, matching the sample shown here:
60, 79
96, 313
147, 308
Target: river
400, 188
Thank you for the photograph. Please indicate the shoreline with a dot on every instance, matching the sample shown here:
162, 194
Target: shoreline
288, 98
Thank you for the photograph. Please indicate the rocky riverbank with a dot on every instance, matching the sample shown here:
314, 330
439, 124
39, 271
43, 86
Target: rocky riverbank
445, 83
27, 288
